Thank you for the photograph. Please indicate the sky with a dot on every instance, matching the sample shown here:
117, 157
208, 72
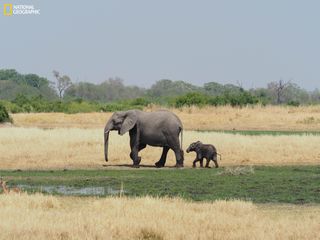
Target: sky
247, 42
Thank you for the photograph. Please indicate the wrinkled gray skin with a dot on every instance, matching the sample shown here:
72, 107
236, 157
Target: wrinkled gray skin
206, 151
158, 129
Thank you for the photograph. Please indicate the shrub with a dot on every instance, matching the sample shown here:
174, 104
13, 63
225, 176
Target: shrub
140, 102
4, 115
78, 107
294, 103
241, 99
191, 99
219, 100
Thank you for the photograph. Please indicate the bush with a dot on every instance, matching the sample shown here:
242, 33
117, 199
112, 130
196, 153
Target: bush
83, 107
191, 99
4, 116
294, 103
198, 99
219, 100
140, 102
241, 99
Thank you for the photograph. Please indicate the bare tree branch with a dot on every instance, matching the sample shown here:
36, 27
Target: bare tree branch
62, 84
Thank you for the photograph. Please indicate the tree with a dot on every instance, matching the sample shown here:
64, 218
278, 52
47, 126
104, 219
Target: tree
62, 84
7, 74
114, 89
110, 90
315, 96
263, 94
35, 81
278, 88
294, 95
169, 88
13, 83
213, 88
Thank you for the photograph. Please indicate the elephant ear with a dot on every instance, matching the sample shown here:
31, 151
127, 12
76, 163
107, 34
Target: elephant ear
129, 121
197, 146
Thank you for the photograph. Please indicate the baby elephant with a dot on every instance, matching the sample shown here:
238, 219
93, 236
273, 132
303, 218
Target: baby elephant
207, 151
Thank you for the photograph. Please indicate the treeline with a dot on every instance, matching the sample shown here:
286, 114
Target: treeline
13, 83
38, 104
33, 93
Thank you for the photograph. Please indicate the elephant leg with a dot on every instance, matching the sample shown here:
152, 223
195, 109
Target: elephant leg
163, 157
174, 144
179, 157
134, 152
141, 146
195, 161
135, 158
216, 163
201, 162
208, 161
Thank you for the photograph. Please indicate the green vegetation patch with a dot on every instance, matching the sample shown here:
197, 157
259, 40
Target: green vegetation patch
289, 184
4, 116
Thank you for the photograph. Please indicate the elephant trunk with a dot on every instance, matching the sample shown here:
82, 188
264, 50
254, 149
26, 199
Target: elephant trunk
107, 129
106, 144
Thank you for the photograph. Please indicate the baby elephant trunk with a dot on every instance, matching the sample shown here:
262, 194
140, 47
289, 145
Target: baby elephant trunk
188, 150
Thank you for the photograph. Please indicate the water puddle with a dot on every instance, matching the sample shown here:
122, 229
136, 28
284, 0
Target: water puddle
72, 191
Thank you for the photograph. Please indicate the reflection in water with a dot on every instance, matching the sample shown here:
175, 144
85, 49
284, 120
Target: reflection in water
81, 191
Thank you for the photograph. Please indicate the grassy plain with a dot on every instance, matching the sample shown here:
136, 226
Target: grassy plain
34, 148
276, 118
48, 217
284, 138
256, 184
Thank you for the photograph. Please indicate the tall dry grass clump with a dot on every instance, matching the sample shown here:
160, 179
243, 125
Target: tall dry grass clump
47, 217
304, 118
33, 148
239, 170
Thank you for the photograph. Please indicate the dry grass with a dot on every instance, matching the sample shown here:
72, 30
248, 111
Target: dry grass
235, 171
193, 118
33, 148
48, 217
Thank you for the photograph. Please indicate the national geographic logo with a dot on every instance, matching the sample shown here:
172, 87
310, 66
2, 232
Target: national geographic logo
9, 9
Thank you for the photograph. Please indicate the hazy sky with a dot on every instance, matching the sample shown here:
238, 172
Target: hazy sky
142, 41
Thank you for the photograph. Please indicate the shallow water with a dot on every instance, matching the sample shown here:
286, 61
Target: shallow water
72, 191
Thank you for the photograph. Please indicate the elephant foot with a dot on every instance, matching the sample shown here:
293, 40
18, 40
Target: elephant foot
208, 167
139, 160
179, 165
136, 166
159, 164
194, 166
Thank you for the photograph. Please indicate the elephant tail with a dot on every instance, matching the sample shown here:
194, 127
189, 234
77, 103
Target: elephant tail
181, 131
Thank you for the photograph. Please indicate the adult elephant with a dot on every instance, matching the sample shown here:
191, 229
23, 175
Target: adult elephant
158, 129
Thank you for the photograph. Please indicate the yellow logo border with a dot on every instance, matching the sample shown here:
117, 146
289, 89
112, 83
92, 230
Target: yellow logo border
5, 6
